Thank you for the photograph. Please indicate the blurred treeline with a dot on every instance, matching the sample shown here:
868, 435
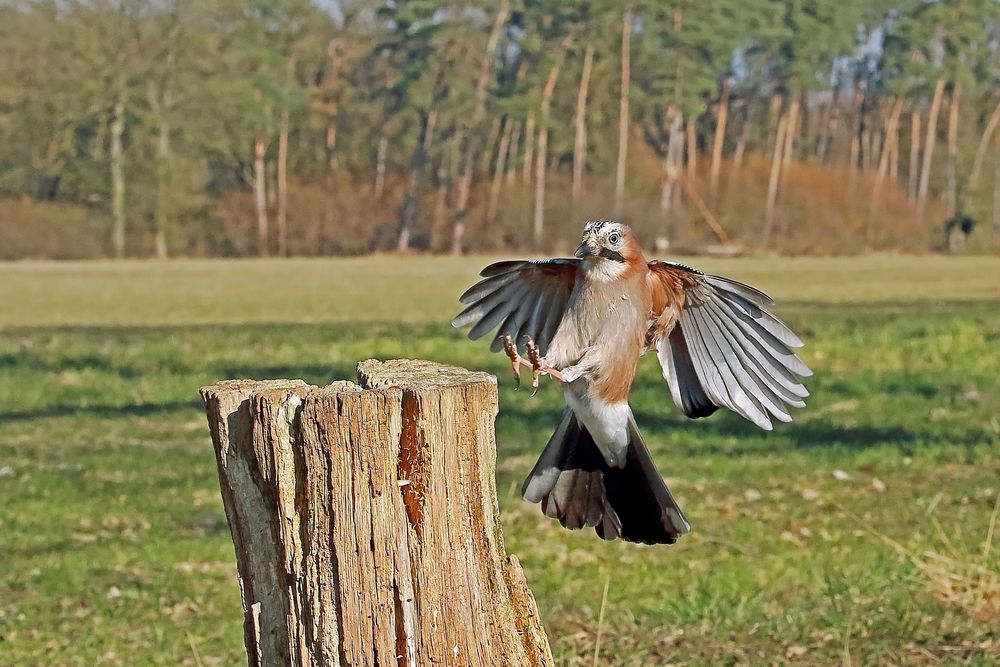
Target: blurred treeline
220, 127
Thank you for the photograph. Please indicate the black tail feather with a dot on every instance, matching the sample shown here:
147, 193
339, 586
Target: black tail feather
575, 484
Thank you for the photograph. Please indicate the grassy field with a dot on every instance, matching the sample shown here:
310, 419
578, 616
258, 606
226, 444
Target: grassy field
857, 535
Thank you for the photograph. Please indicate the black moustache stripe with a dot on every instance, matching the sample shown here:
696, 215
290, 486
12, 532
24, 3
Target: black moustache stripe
607, 253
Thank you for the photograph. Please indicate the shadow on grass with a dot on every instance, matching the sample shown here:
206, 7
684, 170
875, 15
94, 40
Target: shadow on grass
100, 411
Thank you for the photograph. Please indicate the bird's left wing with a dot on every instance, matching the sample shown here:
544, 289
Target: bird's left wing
720, 347
522, 297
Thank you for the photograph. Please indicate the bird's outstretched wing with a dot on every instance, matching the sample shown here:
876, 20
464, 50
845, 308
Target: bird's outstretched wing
719, 347
522, 297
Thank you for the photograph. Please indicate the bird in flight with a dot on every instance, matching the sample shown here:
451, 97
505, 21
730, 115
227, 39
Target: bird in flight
585, 321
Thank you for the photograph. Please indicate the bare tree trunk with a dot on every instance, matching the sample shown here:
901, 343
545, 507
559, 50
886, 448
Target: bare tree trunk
498, 172
772, 183
894, 154
623, 112
515, 142
930, 140
956, 95
580, 142
791, 129
823, 133
383, 145
282, 216
996, 191
440, 214
496, 127
472, 137
774, 116
669, 192
117, 154
914, 175
692, 149
410, 210
260, 195
856, 138
529, 148
984, 142
741, 144
364, 521
329, 210
162, 103
883, 166
162, 214
721, 117
788, 154
540, 158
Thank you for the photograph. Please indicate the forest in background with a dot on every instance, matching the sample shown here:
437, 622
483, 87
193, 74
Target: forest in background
163, 128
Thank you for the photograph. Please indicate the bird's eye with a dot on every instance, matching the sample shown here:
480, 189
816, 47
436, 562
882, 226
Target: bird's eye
614, 238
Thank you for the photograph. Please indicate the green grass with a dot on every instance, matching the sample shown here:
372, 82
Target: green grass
115, 549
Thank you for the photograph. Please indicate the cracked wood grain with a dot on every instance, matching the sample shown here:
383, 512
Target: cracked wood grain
365, 521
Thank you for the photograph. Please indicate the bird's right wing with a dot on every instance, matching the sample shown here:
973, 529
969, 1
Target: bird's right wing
522, 297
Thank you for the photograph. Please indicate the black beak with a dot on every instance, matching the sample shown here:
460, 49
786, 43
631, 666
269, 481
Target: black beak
586, 249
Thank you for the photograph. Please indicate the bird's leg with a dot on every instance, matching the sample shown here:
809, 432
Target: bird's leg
537, 367
534, 362
516, 360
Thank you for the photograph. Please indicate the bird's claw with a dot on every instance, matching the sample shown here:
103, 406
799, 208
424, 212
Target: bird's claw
534, 362
515, 359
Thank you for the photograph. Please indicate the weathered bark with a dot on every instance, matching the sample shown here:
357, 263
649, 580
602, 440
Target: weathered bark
282, 214
984, 142
580, 139
772, 183
929, 141
623, 111
498, 172
117, 154
538, 226
365, 520
383, 145
913, 177
721, 117
260, 195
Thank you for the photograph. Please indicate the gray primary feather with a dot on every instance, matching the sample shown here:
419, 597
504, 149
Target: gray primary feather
519, 298
740, 356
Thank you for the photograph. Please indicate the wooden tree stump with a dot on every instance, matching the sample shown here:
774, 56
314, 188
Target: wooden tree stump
365, 520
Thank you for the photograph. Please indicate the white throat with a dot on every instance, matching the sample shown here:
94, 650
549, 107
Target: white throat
600, 269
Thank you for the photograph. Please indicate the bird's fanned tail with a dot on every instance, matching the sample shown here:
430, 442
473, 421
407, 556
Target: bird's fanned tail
575, 484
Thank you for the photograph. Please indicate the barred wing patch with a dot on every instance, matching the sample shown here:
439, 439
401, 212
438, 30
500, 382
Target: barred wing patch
726, 350
521, 297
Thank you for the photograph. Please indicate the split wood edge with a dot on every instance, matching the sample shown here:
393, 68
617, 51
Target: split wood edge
365, 520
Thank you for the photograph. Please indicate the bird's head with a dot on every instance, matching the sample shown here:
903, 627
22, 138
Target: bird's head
609, 249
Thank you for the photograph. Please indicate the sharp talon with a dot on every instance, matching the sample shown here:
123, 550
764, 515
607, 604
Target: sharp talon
511, 350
